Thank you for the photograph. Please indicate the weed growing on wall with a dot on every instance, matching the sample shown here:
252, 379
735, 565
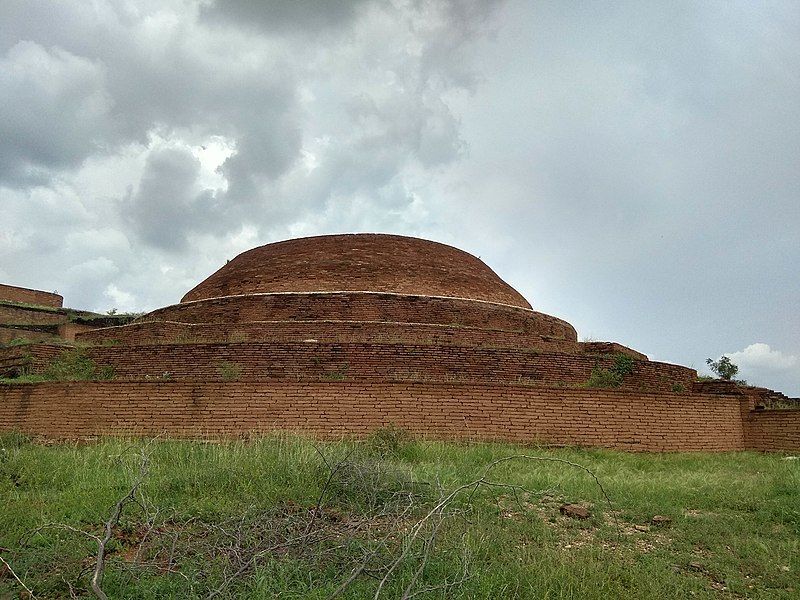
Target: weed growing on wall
603, 378
338, 374
614, 376
230, 371
75, 365
623, 365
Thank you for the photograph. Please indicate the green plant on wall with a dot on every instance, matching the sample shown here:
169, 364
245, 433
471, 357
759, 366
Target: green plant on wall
723, 368
623, 365
76, 365
229, 371
603, 378
613, 376
339, 374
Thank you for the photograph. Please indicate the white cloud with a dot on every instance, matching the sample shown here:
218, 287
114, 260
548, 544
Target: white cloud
760, 357
761, 365
120, 299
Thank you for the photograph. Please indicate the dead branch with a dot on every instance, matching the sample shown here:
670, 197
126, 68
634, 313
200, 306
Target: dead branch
116, 513
15, 576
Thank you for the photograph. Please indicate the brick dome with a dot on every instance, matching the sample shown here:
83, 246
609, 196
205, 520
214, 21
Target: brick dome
358, 262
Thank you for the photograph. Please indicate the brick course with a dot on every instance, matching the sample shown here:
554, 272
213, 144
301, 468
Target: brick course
168, 332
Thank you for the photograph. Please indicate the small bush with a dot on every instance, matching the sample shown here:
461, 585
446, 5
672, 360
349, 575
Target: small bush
75, 365
371, 484
623, 365
678, 388
339, 374
391, 441
603, 378
613, 377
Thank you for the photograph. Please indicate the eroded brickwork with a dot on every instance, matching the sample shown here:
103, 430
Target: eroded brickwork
312, 361
18, 315
166, 332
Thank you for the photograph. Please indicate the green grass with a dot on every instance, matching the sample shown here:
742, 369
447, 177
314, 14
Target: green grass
735, 530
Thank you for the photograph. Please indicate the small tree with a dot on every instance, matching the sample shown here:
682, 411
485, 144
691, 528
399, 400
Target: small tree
723, 368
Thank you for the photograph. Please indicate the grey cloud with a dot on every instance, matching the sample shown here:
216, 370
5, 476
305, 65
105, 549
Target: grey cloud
278, 16
168, 204
54, 113
630, 168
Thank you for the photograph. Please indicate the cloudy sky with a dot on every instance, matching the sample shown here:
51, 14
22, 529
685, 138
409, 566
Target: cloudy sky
632, 167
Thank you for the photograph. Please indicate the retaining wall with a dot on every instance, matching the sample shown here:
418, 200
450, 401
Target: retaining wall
314, 361
604, 418
167, 332
772, 430
362, 307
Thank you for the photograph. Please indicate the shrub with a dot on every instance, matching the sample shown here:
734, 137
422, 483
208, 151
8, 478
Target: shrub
75, 365
613, 377
338, 374
391, 441
603, 378
623, 365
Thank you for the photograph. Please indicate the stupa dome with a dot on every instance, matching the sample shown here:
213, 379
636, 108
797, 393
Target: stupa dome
359, 263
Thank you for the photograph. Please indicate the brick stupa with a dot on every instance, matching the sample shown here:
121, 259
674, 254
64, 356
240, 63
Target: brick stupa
337, 335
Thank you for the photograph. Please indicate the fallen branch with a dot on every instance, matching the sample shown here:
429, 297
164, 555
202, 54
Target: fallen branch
15, 576
116, 513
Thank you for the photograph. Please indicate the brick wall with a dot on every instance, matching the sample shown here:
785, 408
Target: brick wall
32, 358
362, 307
613, 419
166, 332
772, 430
13, 293
33, 333
69, 331
609, 348
19, 315
315, 361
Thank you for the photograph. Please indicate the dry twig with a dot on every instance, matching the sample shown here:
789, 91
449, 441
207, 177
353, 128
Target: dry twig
15, 576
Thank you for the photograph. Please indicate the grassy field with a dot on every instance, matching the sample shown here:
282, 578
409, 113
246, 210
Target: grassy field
285, 517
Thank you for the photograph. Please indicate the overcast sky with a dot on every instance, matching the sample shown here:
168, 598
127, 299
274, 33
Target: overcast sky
631, 167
